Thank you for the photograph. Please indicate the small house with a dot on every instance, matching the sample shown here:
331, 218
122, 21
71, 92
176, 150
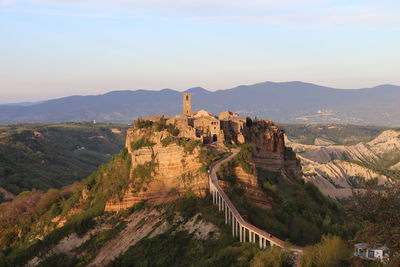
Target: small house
366, 251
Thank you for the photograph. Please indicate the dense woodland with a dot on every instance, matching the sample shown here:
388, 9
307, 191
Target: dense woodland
36, 156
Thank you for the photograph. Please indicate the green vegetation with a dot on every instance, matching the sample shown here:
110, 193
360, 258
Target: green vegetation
272, 257
138, 144
142, 124
59, 260
89, 249
109, 181
331, 251
179, 248
382, 164
339, 134
143, 173
379, 212
167, 140
300, 213
242, 159
38, 156
176, 247
156, 126
188, 144
207, 157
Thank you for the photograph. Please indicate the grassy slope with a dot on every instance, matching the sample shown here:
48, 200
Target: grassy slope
55, 158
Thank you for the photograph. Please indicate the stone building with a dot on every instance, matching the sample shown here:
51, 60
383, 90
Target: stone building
187, 104
206, 127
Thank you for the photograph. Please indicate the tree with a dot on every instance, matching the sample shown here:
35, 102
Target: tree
379, 211
272, 257
331, 251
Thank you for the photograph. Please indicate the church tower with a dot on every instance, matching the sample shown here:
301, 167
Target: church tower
187, 104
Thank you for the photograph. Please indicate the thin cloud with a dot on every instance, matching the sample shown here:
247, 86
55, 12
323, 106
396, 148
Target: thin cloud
325, 12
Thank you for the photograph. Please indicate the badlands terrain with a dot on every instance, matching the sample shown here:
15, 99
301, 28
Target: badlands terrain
336, 169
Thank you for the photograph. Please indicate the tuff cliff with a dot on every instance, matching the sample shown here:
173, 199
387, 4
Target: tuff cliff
163, 167
165, 164
270, 151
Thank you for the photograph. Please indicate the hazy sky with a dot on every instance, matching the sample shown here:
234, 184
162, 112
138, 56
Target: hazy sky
63, 47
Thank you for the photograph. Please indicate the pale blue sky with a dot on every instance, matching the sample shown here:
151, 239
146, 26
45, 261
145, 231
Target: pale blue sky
58, 48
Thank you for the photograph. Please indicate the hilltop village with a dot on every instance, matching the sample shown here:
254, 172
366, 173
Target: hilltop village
226, 128
167, 152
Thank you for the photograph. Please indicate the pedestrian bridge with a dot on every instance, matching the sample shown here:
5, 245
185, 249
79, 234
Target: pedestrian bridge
241, 229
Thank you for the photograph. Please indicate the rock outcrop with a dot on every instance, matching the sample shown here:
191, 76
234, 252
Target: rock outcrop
252, 189
164, 166
270, 151
159, 171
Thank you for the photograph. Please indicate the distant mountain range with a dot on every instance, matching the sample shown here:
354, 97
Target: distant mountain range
287, 102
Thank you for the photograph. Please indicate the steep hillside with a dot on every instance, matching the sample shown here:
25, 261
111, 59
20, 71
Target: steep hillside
336, 169
38, 156
152, 199
163, 167
302, 103
281, 202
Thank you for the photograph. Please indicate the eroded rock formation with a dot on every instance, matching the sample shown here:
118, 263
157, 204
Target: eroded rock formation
160, 172
269, 150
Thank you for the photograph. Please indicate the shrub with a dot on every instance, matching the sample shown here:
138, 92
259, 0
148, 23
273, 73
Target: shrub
191, 145
167, 140
138, 144
59, 260
140, 124
227, 171
143, 173
173, 130
160, 125
331, 251
206, 158
272, 257
270, 187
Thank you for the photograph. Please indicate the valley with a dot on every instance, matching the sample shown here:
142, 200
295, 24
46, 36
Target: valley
44, 156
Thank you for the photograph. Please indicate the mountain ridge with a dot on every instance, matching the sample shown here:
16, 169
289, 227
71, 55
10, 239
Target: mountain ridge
287, 102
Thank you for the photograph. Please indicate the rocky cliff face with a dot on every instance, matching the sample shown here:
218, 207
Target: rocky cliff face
252, 188
164, 166
160, 171
270, 151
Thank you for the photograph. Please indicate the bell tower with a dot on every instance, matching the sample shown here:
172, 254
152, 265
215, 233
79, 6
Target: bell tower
187, 104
